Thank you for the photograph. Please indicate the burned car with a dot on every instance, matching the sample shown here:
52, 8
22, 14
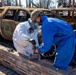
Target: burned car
67, 14
10, 16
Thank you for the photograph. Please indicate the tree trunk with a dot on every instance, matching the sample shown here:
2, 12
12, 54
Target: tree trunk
8, 2
71, 3
40, 3
48, 2
19, 2
27, 3
2, 1
16, 3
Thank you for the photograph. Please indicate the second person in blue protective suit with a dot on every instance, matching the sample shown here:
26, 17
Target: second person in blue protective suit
58, 32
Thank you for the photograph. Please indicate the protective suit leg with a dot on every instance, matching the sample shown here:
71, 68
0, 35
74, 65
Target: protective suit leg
25, 50
64, 53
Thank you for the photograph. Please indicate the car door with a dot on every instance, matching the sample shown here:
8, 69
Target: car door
8, 24
1, 14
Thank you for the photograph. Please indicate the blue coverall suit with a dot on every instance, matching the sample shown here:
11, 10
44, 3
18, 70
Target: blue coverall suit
60, 33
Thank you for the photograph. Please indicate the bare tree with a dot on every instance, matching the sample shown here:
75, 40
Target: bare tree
71, 3
35, 4
13, 3
63, 3
30, 3
2, 1
19, 2
8, 2
41, 3
45, 3
16, 3
27, 3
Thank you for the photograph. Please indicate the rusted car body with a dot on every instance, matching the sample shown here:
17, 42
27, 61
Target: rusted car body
10, 16
67, 14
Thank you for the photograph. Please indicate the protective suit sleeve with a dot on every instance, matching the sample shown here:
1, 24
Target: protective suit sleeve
22, 33
48, 32
24, 36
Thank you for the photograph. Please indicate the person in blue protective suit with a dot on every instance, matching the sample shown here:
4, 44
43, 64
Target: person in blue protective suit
58, 32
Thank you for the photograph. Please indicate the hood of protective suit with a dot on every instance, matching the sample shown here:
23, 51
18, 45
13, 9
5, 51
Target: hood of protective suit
43, 18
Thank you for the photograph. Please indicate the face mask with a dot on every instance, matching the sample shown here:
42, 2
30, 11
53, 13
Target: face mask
38, 24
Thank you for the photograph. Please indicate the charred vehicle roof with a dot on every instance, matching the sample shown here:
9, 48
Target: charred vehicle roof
67, 14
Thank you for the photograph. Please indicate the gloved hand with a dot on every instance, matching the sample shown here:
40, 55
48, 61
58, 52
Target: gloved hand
36, 51
32, 41
30, 30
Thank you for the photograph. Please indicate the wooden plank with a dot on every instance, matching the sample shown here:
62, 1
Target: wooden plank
6, 71
23, 66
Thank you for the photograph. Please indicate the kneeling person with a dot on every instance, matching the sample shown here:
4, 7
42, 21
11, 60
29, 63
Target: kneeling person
25, 37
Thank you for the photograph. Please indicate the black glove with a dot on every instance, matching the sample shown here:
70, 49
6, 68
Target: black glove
30, 30
33, 42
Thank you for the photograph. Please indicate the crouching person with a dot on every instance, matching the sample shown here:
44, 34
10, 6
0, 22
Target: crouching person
25, 37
